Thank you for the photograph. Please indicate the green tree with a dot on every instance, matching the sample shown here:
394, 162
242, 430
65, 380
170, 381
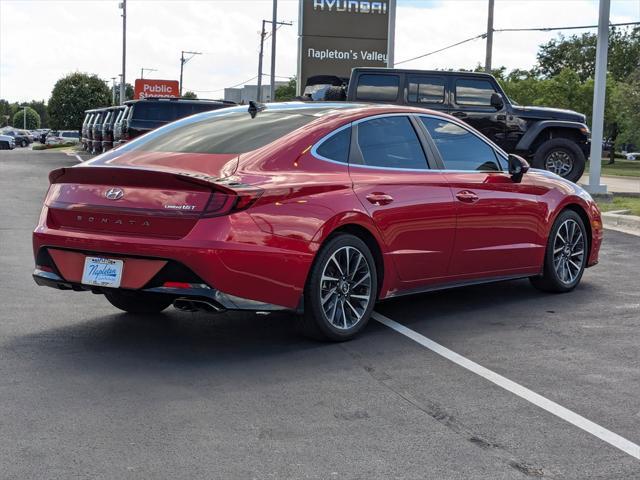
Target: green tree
41, 108
578, 53
6, 113
72, 95
286, 92
128, 93
189, 94
32, 119
626, 104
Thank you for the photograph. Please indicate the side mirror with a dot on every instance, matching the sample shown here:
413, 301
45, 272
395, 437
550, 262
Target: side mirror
496, 101
518, 166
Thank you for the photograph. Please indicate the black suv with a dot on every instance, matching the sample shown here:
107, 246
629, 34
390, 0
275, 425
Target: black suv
145, 115
552, 139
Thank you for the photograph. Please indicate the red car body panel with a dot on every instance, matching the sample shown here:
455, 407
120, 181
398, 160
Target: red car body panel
429, 235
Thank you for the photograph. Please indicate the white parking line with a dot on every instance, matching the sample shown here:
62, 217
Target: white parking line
558, 410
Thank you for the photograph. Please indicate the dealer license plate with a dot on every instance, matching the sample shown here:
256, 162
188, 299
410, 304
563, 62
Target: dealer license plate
103, 272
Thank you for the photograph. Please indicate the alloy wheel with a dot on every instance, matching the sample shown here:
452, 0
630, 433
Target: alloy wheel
568, 251
559, 162
345, 287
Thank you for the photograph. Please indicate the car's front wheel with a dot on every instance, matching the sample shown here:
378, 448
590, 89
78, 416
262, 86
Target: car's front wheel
138, 302
566, 255
341, 290
23, 143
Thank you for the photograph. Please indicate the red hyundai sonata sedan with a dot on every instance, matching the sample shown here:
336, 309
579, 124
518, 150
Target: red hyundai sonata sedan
321, 209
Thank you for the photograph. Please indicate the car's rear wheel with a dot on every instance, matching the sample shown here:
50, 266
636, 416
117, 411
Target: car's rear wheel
562, 157
138, 302
341, 290
566, 255
23, 143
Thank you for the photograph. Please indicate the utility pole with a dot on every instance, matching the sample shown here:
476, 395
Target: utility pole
599, 90
263, 34
142, 70
113, 90
123, 6
487, 61
391, 35
183, 61
274, 28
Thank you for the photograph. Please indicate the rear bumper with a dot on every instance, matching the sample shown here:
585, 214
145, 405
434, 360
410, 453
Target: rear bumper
230, 254
220, 301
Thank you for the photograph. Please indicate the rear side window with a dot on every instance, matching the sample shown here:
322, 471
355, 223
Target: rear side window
474, 92
336, 147
391, 142
426, 89
378, 87
223, 132
155, 111
459, 148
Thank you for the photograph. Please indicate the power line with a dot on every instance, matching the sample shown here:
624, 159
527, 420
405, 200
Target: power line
536, 29
549, 29
482, 35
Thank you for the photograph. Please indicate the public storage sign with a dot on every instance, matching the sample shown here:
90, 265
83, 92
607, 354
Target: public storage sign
156, 88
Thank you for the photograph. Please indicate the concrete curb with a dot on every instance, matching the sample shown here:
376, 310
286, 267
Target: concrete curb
623, 223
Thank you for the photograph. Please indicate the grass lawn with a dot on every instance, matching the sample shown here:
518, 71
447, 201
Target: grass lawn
622, 168
622, 203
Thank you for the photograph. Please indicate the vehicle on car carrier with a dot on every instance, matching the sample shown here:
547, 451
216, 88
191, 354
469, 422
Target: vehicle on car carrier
550, 138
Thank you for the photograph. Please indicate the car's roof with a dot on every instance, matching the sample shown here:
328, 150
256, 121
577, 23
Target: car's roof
383, 70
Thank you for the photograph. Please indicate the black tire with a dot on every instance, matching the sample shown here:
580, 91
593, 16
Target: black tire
4, 146
23, 143
143, 303
565, 148
335, 94
314, 322
551, 280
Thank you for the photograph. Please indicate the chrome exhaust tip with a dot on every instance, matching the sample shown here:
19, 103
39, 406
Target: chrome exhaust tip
192, 305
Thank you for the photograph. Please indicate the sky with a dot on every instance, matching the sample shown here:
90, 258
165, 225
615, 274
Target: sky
43, 40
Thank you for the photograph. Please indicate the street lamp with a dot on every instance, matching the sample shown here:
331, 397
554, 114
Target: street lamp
24, 117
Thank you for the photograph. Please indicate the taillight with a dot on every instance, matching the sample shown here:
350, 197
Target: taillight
230, 201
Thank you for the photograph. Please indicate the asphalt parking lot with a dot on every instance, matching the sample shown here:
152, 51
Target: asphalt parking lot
87, 392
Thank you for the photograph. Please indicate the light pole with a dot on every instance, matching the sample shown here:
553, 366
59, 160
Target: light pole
183, 61
599, 90
24, 116
113, 90
274, 28
123, 6
391, 35
142, 70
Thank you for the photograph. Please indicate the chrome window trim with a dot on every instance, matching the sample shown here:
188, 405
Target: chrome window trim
318, 144
462, 125
496, 148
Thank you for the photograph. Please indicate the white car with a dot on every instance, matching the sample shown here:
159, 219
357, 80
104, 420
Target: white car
7, 142
63, 136
633, 156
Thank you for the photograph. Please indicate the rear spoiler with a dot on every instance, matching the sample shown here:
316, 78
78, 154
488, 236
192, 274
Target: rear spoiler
142, 177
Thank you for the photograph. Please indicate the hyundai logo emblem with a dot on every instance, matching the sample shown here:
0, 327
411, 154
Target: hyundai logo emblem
114, 193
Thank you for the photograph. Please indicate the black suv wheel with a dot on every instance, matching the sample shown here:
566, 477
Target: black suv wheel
562, 157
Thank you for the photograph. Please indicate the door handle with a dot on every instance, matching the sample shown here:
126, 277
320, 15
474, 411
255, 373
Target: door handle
459, 114
467, 196
378, 198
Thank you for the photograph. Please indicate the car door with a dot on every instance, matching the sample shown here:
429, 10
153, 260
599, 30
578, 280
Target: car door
410, 203
500, 223
471, 103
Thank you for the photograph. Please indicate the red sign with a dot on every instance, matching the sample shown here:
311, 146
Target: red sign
156, 88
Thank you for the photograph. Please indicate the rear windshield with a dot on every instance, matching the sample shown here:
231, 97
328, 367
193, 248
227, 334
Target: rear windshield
224, 131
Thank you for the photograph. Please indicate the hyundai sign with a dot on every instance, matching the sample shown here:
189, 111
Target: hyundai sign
338, 35
146, 87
